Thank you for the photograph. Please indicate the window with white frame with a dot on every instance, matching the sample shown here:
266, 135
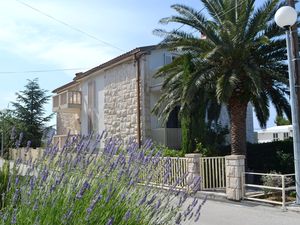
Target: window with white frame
275, 137
285, 135
169, 58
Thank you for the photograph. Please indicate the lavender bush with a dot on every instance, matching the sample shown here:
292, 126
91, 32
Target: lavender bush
80, 185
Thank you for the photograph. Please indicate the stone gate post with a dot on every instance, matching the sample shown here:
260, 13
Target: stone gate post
235, 168
193, 169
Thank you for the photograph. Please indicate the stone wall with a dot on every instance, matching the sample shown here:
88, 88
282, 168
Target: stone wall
67, 122
120, 101
235, 168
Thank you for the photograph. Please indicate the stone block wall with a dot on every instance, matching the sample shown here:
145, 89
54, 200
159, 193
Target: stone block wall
193, 170
235, 168
120, 101
67, 122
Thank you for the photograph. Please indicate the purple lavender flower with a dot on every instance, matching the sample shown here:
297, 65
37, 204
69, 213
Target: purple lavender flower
81, 192
127, 215
35, 206
197, 217
19, 141
178, 219
14, 217
143, 200
158, 204
68, 214
151, 200
16, 196
13, 133
110, 221
93, 204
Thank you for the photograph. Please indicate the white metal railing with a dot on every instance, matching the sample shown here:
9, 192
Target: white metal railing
169, 172
67, 99
273, 191
212, 172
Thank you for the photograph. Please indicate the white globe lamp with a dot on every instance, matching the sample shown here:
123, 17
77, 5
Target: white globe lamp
286, 16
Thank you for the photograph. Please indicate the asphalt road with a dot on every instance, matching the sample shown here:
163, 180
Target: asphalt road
245, 213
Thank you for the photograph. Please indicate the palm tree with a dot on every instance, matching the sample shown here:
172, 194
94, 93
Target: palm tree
241, 60
179, 89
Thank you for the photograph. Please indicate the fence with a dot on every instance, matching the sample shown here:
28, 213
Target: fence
269, 188
212, 172
169, 172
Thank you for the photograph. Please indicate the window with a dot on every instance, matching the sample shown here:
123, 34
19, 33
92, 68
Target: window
169, 58
275, 137
285, 135
173, 121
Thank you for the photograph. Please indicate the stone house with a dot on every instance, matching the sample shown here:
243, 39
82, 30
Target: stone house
117, 96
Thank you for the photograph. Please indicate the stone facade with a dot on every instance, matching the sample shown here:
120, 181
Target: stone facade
235, 168
67, 122
193, 170
120, 102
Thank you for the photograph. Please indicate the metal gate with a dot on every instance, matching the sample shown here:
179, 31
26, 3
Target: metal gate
212, 172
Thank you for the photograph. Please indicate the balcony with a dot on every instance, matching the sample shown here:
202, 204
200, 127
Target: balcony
170, 137
68, 101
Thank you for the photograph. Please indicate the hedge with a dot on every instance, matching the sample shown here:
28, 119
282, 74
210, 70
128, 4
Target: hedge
273, 156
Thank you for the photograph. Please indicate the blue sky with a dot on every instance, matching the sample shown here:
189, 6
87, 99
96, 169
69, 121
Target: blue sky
31, 41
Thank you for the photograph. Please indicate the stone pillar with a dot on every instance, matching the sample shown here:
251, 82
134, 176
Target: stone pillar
235, 168
193, 169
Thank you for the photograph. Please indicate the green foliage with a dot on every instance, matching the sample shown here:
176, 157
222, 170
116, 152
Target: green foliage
215, 138
79, 185
275, 181
193, 110
4, 178
265, 157
241, 60
281, 121
167, 152
8, 124
29, 111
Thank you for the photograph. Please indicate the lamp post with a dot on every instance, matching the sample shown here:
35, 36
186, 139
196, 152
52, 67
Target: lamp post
286, 17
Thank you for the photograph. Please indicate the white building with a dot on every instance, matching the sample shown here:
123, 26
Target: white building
277, 133
118, 96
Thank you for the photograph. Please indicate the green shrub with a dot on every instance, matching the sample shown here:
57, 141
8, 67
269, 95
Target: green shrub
265, 157
79, 185
166, 151
275, 181
4, 178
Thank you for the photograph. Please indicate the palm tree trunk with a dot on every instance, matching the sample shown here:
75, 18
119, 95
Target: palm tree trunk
237, 112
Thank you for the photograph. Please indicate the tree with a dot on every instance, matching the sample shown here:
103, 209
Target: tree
281, 121
7, 125
29, 111
240, 60
193, 111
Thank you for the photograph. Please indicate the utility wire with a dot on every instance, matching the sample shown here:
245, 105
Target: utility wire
91, 36
70, 26
41, 71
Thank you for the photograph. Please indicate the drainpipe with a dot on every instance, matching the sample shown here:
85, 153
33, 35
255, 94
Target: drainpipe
138, 105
